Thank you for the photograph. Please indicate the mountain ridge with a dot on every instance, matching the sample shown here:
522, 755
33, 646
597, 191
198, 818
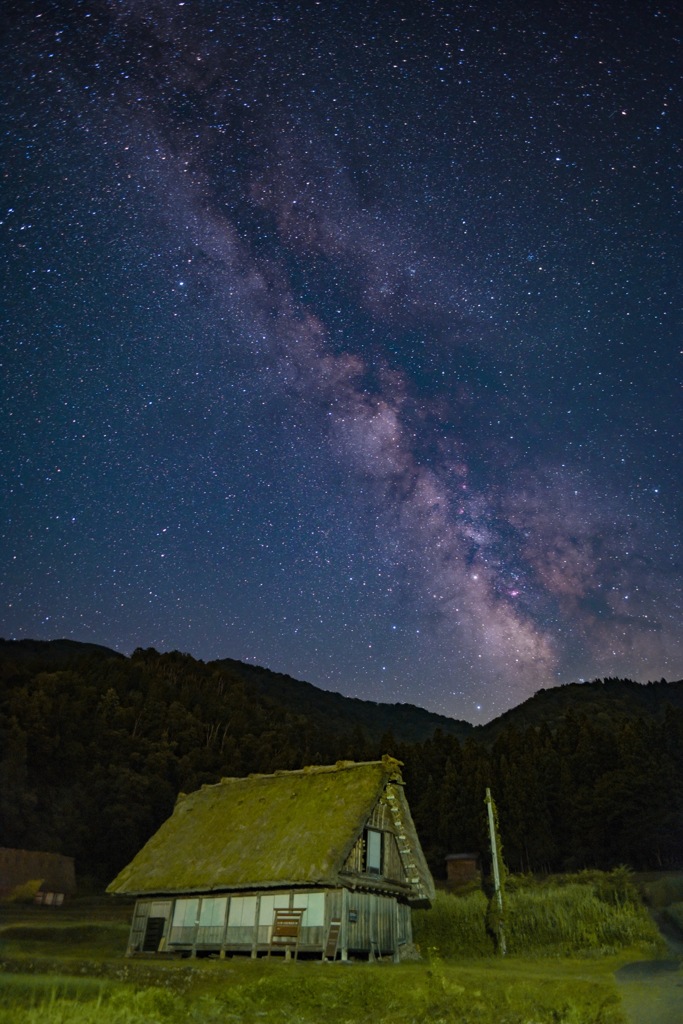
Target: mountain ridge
95, 747
403, 721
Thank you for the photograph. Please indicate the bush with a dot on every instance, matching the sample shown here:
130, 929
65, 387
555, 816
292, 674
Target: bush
24, 893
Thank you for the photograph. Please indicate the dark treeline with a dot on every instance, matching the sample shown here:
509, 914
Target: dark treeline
95, 747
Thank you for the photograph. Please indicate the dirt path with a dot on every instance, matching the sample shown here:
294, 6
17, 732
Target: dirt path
652, 990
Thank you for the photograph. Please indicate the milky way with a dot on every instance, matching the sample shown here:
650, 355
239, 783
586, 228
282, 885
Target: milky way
343, 339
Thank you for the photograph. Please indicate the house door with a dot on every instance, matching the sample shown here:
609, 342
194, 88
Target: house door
153, 934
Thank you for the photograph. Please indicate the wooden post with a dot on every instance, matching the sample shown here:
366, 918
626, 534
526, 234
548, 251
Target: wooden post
345, 925
394, 930
495, 853
195, 932
254, 938
224, 936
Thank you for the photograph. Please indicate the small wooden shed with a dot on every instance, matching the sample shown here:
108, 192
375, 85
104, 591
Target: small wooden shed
54, 871
462, 869
334, 846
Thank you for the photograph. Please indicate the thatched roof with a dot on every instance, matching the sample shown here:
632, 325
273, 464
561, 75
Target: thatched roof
290, 828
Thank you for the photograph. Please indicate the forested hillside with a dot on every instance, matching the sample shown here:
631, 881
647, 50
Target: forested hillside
95, 747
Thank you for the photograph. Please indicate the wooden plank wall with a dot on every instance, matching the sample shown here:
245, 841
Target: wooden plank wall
381, 819
369, 922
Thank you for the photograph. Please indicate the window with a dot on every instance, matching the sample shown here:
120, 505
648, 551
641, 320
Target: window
184, 920
185, 913
268, 905
212, 913
373, 851
242, 912
314, 904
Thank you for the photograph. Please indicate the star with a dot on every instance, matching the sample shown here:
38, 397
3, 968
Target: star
345, 350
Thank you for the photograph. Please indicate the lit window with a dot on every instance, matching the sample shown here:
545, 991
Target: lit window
373, 852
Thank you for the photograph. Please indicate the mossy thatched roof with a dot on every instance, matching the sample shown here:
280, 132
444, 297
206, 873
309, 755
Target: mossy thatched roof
290, 828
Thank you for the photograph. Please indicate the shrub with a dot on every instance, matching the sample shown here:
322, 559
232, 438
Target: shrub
24, 893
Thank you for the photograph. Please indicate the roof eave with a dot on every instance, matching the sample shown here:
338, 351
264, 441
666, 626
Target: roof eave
228, 889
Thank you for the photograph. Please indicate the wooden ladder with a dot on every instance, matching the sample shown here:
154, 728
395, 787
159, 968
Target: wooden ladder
332, 944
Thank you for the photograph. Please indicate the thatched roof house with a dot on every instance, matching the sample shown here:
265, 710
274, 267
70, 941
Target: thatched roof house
336, 842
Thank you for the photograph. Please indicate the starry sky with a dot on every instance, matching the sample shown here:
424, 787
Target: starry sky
344, 339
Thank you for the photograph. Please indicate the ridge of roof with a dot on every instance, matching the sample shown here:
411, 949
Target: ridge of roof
390, 765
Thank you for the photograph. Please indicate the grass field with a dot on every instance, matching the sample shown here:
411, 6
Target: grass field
514, 991
66, 966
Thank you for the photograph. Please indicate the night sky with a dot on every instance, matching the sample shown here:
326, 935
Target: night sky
343, 339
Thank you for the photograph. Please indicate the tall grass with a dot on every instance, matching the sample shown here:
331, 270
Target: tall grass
306, 993
572, 919
587, 915
454, 927
146, 1006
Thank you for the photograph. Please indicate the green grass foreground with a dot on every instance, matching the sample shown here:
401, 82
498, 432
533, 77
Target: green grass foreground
514, 991
566, 940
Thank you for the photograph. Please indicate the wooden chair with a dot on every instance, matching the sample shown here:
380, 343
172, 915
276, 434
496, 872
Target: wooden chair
286, 931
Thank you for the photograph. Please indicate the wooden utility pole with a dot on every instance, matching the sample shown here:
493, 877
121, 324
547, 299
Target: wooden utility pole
495, 859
